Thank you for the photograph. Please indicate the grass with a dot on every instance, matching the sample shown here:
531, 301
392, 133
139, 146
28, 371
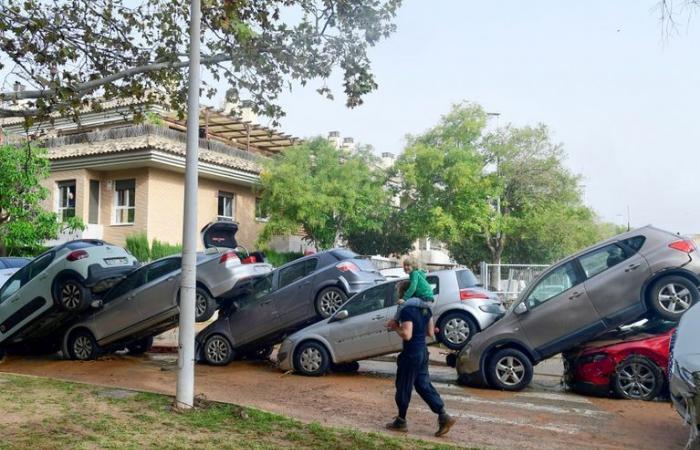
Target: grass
42, 413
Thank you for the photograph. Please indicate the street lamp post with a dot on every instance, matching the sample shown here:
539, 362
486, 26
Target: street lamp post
185, 377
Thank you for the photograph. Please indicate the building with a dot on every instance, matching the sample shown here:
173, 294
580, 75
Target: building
124, 179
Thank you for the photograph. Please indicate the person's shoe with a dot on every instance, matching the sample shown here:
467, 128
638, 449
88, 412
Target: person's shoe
398, 424
445, 422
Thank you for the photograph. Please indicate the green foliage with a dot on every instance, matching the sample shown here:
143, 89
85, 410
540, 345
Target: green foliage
322, 190
394, 238
281, 258
24, 224
137, 245
162, 249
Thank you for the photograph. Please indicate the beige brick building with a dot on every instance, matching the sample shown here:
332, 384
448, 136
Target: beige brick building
123, 179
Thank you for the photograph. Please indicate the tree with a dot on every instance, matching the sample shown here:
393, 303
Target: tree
325, 191
71, 51
393, 238
23, 222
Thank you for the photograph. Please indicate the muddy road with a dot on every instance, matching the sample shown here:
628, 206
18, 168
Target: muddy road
542, 417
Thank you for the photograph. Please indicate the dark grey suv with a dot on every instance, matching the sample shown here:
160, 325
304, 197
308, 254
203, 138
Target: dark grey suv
261, 313
644, 271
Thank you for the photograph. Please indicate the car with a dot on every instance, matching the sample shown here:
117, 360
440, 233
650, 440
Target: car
357, 331
146, 302
685, 372
631, 362
58, 285
10, 265
260, 313
643, 272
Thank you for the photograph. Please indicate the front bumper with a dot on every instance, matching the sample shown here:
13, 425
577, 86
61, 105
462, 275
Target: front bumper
284, 356
685, 399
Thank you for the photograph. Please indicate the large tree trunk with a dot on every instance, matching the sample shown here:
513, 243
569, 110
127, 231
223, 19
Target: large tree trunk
3, 249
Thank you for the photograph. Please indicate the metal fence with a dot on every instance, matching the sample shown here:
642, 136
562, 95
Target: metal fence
509, 280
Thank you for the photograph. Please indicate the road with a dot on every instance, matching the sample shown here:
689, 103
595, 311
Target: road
541, 417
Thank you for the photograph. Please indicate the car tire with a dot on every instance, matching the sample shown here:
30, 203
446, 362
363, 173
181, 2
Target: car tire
671, 296
311, 359
509, 370
456, 329
348, 367
141, 346
82, 346
329, 300
218, 351
638, 378
71, 295
205, 305
261, 354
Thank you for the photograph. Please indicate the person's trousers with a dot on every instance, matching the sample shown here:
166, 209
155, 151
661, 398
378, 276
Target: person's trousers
412, 372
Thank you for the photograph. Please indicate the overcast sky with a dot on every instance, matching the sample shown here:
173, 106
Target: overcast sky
622, 100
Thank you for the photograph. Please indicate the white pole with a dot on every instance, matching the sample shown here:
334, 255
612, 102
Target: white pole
185, 362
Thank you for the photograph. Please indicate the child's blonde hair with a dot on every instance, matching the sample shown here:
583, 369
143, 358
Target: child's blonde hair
411, 261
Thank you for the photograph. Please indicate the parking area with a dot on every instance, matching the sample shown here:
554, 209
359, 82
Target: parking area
542, 416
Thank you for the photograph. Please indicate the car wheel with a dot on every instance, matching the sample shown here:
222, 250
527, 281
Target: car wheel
671, 296
141, 346
218, 350
509, 370
72, 296
82, 346
348, 367
205, 306
261, 354
329, 300
456, 329
638, 378
311, 359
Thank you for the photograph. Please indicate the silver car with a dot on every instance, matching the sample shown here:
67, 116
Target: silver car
357, 331
684, 372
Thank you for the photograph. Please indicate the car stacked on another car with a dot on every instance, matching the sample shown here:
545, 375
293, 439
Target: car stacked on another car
642, 272
685, 372
57, 285
259, 314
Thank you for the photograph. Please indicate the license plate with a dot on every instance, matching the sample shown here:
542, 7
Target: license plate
116, 261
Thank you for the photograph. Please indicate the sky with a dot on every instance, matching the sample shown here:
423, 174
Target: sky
622, 99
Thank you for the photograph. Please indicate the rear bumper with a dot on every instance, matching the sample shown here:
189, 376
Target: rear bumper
353, 286
236, 274
102, 278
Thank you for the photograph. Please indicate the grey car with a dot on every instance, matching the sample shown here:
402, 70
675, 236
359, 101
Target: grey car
684, 372
270, 307
616, 282
357, 331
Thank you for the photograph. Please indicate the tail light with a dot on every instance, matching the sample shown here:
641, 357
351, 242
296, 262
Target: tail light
685, 246
228, 256
347, 266
249, 260
471, 294
77, 255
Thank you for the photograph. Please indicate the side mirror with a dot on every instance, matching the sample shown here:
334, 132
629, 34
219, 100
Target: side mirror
97, 304
342, 315
520, 309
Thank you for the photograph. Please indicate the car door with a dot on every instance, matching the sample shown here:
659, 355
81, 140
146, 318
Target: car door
254, 316
559, 313
615, 276
25, 295
363, 333
158, 294
119, 310
291, 299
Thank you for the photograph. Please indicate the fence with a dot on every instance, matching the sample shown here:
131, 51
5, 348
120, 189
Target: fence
509, 280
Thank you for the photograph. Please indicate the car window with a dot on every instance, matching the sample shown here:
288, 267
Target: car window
554, 283
434, 282
290, 274
372, 299
162, 268
635, 243
258, 290
602, 259
310, 265
39, 265
132, 281
466, 279
12, 285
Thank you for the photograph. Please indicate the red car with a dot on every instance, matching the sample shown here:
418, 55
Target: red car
631, 363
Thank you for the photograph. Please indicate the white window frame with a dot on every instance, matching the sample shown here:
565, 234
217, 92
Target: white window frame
226, 196
61, 205
118, 208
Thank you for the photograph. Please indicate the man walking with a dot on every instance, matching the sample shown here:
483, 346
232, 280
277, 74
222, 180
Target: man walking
412, 370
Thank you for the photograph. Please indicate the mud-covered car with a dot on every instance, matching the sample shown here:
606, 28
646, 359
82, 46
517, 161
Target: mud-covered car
630, 363
58, 285
685, 372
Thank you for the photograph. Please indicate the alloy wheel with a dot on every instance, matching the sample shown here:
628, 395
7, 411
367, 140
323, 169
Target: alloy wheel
218, 350
330, 302
201, 304
457, 331
637, 381
311, 359
510, 370
70, 296
675, 298
83, 347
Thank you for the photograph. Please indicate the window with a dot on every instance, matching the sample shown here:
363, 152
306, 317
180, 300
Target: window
125, 199
94, 206
260, 212
466, 279
635, 243
291, 274
259, 288
602, 259
227, 206
25, 275
434, 283
367, 301
554, 283
134, 280
163, 268
66, 199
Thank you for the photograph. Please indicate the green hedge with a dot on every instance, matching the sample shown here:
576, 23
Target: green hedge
137, 244
162, 249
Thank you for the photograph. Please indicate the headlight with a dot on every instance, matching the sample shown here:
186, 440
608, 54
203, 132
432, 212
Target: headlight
692, 379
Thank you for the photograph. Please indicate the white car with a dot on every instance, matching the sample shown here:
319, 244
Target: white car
9, 265
58, 284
